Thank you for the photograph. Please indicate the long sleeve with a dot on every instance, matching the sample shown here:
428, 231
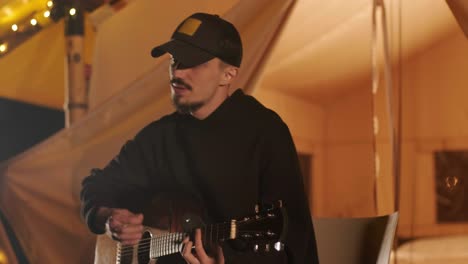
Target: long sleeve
281, 180
124, 183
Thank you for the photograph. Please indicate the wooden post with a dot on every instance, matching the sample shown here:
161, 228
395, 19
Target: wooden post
76, 93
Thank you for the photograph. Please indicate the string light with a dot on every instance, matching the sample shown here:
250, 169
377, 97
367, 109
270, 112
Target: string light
3, 47
72, 12
38, 19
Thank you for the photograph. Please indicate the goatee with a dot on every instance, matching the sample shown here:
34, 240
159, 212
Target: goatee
185, 108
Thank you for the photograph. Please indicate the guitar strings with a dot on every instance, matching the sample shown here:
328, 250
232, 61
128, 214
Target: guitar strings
147, 241
156, 240
164, 249
171, 234
173, 237
145, 244
164, 241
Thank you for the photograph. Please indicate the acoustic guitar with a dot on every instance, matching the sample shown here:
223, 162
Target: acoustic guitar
262, 232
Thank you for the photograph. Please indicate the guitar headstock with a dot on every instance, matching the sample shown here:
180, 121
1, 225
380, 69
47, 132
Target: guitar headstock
265, 231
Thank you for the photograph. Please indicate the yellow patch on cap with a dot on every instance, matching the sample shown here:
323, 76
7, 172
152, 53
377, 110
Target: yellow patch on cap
190, 26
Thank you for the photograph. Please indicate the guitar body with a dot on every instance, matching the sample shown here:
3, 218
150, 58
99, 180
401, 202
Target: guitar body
107, 250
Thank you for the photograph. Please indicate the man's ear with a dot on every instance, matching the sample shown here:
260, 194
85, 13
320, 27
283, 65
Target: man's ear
229, 74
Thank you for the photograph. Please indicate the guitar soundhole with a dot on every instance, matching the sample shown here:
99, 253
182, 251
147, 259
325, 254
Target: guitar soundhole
144, 248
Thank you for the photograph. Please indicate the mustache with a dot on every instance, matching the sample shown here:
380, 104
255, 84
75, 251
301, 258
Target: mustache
180, 82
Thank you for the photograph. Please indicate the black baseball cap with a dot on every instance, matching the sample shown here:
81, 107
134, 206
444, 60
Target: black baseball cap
202, 37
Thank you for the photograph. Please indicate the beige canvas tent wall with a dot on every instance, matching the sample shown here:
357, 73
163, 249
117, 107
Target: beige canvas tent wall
317, 77
320, 83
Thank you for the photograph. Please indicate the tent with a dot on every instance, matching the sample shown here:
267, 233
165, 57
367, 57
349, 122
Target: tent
308, 60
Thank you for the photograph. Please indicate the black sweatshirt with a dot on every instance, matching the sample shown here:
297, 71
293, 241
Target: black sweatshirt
240, 155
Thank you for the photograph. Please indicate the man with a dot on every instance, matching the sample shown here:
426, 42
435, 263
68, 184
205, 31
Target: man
218, 154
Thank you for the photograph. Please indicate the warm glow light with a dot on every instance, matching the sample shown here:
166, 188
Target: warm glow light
72, 12
50, 3
14, 27
33, 22
3, 257
377, 165
8, 11
376, 125
3, 47
47, 13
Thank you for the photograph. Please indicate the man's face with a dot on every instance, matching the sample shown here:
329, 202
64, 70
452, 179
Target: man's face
192, 88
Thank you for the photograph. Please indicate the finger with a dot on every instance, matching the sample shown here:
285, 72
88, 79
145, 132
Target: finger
121, 214
116, 217
130, 228
187, 253
187, 248
130, 232
135, 219
201, 253
120, 222
129, 236
220, 255
113, 225
127, 217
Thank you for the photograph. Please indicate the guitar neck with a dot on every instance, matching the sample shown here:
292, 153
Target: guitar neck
212, 234
170, 243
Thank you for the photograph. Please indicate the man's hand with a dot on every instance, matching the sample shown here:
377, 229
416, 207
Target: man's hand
122, 225
200, 256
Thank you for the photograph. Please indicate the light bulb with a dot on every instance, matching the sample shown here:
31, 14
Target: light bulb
3, 47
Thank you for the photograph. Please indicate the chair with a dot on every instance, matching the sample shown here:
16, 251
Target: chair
355, 240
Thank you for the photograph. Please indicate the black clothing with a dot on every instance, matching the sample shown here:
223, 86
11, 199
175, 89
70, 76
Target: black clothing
240, 155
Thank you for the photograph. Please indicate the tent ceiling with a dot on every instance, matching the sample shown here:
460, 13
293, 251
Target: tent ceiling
327, 44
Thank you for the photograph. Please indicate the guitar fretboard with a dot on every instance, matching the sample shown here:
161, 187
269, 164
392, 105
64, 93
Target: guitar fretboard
166, 244
170, 243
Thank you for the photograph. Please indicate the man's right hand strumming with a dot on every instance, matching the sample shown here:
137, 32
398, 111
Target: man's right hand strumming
120, 224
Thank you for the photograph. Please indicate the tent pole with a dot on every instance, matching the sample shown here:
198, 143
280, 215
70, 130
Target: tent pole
76, 94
